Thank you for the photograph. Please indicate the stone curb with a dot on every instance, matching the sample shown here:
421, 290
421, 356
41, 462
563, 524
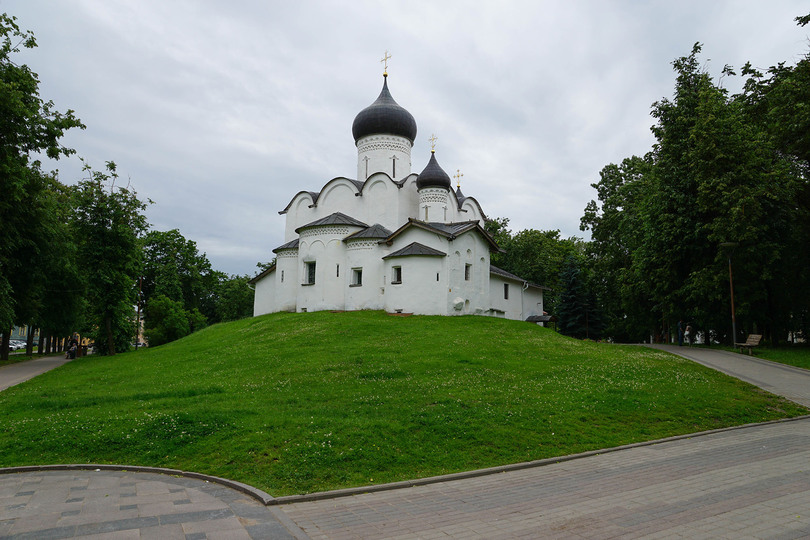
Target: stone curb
269, 500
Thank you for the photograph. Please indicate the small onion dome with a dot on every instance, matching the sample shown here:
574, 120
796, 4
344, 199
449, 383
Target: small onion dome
384, 116
433, 175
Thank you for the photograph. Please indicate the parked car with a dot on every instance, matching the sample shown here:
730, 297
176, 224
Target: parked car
16, 344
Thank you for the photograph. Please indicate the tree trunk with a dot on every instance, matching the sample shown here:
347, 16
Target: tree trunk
110, 338
29, 343
41, 346
4, 345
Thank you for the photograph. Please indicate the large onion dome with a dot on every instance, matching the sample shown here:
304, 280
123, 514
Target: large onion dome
384, 116
433, 175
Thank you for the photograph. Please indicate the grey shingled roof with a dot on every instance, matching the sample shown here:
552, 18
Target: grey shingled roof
292, 244
338, 218
503, 273
255, 279
449, 230
415, 248
375, 231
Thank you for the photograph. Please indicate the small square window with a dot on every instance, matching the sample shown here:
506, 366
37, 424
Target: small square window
396, 274
357, 277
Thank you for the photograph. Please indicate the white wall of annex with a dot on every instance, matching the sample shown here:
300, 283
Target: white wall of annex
513, 306
264, 295
287, 281
468, 296
366, 255
419, 292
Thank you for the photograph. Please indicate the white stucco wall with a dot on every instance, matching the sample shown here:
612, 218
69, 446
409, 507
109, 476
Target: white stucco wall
532, 302
364, 254
264, 295
375, 152
470, 249
521, 303
419, 292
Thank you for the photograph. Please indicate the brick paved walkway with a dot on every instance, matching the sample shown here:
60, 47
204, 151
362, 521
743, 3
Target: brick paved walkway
124, 505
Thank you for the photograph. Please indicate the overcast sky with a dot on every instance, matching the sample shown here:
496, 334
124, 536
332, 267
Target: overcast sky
221, 111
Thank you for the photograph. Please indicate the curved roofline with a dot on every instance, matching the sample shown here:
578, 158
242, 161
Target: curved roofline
399, 184
312, 195
473, 199
358, 185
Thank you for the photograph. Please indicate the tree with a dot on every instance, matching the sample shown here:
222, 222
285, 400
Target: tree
175, 271
173, 267
107, 221
577, 311
168, 321
234, 299
724, 171
28, 125
536, 256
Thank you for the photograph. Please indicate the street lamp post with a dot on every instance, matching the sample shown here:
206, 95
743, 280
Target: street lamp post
731, 245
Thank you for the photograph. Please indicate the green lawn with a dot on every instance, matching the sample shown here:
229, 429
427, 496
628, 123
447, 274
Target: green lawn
794, 355
294, 403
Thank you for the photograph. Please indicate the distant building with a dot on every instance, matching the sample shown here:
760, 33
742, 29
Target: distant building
390, 240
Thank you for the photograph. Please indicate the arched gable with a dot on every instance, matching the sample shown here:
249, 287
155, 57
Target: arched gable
338, 195
312, 196
473, 210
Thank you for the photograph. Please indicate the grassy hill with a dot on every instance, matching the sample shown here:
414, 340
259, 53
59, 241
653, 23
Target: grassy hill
293, 403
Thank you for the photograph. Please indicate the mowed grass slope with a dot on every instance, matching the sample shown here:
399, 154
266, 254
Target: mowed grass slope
294, 403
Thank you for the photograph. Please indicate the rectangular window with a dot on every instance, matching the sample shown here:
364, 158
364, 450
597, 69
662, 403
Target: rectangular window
337, 271
467, 272
357, 277
310, 273
282, 276
506, 291
396, 274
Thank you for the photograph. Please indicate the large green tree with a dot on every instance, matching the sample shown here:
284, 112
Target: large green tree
616, 223
28, 126
726, 179
107, 220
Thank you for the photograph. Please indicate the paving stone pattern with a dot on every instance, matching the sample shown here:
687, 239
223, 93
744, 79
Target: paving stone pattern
129, 505
747, 483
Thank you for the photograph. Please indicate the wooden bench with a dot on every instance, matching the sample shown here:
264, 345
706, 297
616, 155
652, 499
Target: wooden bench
752, 341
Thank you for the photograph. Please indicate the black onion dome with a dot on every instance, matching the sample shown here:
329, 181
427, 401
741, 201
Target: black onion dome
384, 116
433, 175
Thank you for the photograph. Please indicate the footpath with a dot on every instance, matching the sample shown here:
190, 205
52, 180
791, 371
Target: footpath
14, 374
748, 482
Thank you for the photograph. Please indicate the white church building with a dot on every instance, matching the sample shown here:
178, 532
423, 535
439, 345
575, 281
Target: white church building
390, 240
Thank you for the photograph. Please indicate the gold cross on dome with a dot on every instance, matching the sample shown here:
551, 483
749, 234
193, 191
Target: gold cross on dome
458, 176
433, 139
384, 60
